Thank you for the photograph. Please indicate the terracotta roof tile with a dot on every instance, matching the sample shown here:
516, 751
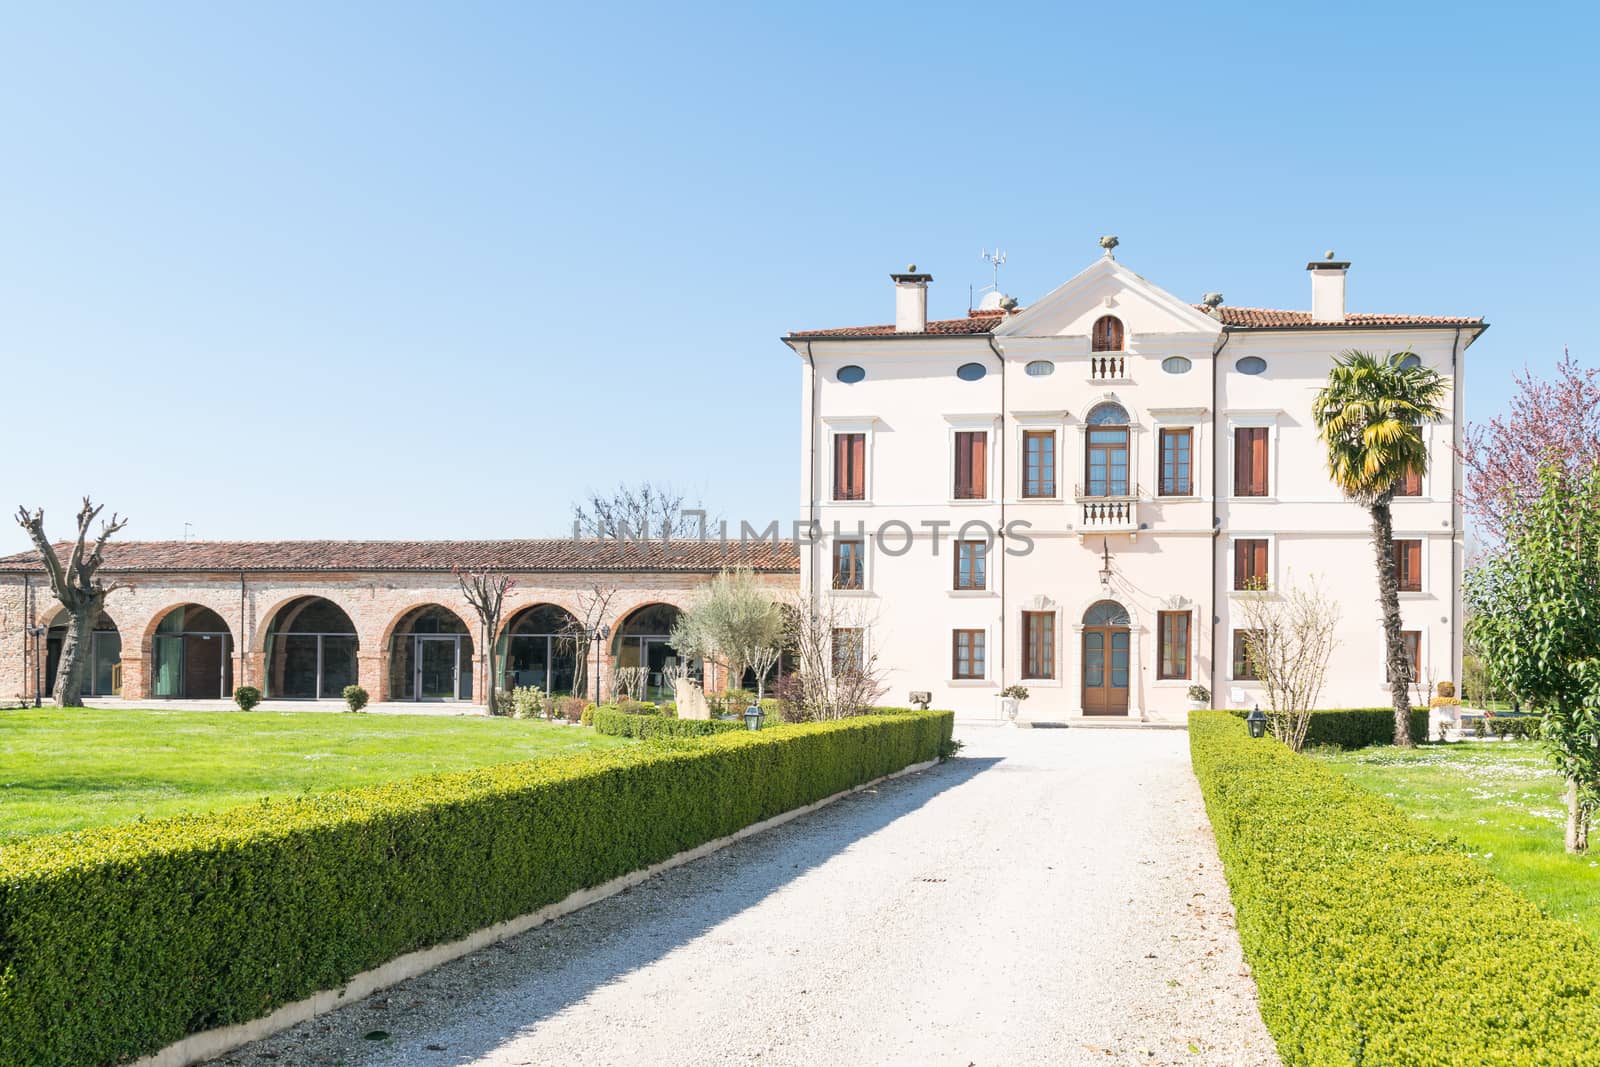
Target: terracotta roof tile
555, 554
1270, 318
981, 322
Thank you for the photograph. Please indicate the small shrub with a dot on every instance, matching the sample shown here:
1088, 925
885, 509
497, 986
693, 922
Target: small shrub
1015, 692
528, 702
571, 708
587, 717
1200, 694
247, 697
355, 697
637, 707
1479, 729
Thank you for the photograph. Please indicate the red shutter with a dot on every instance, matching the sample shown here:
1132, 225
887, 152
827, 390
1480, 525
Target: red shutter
858, 466
980, 465
1258, 462
1411, 484
1241, 564
841, 466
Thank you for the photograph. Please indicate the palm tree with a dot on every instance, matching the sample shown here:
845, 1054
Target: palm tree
1370, 416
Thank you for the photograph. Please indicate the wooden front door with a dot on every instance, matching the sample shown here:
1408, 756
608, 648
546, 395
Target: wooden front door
1105, 670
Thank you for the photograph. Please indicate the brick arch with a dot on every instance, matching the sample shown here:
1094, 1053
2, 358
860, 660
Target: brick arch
264, 619
534, 600
59, 616
620, 617
463, 613
155, 618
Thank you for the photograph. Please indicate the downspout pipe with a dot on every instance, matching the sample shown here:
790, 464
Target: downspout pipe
1000, 557
1458, 630
811, 475
244, 637
1217, 451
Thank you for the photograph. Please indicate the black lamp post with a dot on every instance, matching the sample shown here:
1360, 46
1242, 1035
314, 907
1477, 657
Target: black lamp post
598, 636
37, 632
1256, 721
752, 716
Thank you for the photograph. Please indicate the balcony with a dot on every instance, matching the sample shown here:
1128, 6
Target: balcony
1103, 514
1108, 367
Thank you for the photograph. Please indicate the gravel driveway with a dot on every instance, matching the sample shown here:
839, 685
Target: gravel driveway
1050, 897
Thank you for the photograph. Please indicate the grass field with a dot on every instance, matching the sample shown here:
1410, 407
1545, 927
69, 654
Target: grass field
67, 769
1503, 802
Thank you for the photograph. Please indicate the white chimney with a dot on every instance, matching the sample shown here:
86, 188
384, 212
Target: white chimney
911, 301
1327, 288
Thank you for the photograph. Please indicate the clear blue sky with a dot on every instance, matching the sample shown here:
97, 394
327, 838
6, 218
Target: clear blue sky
394, 270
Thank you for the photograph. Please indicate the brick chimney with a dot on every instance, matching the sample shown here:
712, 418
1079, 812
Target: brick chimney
1327, 288
911, 301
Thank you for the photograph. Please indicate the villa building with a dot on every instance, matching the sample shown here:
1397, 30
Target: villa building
1075, 495
304, 619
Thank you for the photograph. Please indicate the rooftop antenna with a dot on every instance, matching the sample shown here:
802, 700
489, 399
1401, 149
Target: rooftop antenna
996, 260
186, 528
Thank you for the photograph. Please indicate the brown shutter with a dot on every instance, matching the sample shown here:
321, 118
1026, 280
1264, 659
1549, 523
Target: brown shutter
1241, 564
1259, 569
980, 465
858, 466
841, 465
963, 465
1241, 462
1258, 463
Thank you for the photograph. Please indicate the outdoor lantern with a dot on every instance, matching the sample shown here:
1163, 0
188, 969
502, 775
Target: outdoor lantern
1256, 721
752, 716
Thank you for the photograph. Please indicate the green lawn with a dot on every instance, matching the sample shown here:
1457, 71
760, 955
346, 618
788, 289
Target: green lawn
1503, 802
66, 769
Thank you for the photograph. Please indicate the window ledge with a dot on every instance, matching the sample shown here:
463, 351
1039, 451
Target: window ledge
970, 503
1160, 498
972, 594
852, 592
970, 683
1035, 500
1415, 594
846, 503
1109, 381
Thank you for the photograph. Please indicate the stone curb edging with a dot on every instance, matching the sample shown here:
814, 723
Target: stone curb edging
208, 1044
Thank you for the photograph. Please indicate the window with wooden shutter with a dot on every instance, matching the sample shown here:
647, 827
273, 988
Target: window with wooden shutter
971, 565
1250, 563
1244, 667
850, 466
966, 654
1410, 485
1408, 565
849, 564
1412, 640
1038, 464
972, 465
1172, 631
849, 649
1176, 462
1107, 336
1250, 461
1038, 644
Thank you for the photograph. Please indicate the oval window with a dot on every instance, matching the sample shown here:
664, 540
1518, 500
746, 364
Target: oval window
1250, 365
971, 372
851, 375
1413, 360
1176, 365
1041, 368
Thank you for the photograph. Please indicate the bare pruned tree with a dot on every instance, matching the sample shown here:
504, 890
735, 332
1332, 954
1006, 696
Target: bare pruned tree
645, 511
486, 591
836, 667
578, 634
77, 585
1290, 638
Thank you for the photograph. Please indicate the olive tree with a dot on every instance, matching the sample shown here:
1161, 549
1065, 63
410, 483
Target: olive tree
734, 622
76, 583
1536, 620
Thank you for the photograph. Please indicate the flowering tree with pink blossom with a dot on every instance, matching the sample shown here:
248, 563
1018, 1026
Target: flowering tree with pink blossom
1549, 420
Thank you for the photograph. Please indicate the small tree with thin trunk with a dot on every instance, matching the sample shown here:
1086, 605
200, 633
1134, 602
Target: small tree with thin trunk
837, 673
1289, 638
77, 585
1535, 605
578, 632
486, 591
733, 622
1370, 416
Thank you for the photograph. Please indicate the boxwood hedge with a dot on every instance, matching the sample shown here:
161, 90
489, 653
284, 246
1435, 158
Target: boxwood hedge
626, 724
1366, 934
1357, 727
119, 941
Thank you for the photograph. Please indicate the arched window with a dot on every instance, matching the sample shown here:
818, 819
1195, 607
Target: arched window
1106, 453
1106, 613
1107, 335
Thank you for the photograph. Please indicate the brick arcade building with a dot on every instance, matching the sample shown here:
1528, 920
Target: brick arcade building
304, 619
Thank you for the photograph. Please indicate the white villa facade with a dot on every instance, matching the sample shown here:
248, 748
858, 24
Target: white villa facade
1142, 460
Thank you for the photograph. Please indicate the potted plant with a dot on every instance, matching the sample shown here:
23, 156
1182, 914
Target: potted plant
1011, 698
1199, 698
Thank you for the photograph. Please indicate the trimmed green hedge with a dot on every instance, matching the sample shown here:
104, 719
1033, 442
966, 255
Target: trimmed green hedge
1366, 934
650, 726
119, 941
1356, 727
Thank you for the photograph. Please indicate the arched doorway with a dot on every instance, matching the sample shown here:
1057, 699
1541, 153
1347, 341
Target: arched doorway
311, 650
191, 655
430, 656
1106, 656
537, 649
104, 677
644, 640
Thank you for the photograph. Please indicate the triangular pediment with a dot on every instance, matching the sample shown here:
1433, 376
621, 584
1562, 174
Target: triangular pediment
1106, 287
